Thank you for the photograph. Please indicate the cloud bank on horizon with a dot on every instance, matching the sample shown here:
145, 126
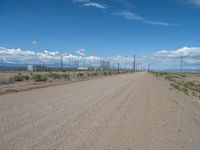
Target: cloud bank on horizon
160, 60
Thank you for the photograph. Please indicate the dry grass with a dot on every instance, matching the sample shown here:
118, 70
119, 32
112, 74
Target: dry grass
188, 83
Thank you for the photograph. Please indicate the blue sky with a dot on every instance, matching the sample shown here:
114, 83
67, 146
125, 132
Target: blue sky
102, 27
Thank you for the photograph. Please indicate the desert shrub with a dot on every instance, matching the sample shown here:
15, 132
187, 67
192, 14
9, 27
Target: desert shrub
26, 77
168, 77
105, 73
181, 75
176, 86
194, 94
185, 90
11, 80
40, 77
95, 74
87, 74
162, 73
189, 84
80, 75
20, 77
66, 76
180, 88
55, 75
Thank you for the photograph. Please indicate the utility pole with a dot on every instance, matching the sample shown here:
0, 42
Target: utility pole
61, 63
149, 68
84, 64
136, 67
2, 63
181, 64
134, 64
118, 66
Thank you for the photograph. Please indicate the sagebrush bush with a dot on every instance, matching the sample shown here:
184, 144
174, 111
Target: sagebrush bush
80, 75
66, 76
39, 77
20, 77
55, 75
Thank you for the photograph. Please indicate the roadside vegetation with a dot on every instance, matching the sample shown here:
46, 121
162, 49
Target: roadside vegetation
178, 81
55, 76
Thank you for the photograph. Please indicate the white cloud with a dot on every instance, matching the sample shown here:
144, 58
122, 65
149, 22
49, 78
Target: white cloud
81, 1
160, 60
132, 16
171, 59
80, 52
129, 15
187, 52
55, 53
195, 2
89, 3
96, 5
18, 56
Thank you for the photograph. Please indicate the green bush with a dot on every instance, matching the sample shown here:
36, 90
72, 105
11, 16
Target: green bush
105, 73
20, 77
95, 74
55, 75
40, 77
66, 76
80, 75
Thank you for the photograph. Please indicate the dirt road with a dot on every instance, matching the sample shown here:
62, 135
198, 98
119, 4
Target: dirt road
123, 112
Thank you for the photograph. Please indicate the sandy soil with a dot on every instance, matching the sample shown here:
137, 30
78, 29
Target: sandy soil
124, 112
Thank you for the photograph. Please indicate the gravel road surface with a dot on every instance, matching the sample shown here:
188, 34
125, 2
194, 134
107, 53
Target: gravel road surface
122, 112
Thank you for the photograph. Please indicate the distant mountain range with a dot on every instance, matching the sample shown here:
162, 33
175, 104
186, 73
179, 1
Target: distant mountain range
14, 67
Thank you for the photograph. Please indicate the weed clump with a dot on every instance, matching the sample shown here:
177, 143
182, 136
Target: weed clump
40, 77
54, 75
80, 75
20, 77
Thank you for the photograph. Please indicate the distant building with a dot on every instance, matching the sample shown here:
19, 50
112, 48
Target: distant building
37, 68
82, 68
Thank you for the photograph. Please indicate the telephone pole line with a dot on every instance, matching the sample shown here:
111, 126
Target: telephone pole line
118, 66
181, 64
2, 63
149, 68
61, 63
134, 64
84, 64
